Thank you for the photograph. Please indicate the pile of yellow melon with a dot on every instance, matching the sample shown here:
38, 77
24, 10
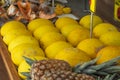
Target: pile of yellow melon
67, 40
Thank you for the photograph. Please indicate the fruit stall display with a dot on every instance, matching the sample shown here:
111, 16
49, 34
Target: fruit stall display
41, 45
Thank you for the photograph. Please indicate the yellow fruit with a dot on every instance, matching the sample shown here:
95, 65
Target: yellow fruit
103, 28
107, 53
90, 46
85, 21
60, 22
27, 50
59, 9
11, 25
68, 28
25, 67
22, 39
53, 49
111, 38
73, 56
39, 32
15, 33
66, 10
34, 24
78, 35
50, 38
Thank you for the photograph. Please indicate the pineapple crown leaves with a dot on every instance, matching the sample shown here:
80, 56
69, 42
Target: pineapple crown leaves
112, 69
106, 64
105, 68
27, 74
109, 77
29, 61
86, 64
79, 67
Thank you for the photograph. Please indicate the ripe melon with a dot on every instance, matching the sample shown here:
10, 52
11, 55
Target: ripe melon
103, 28
73, 56
78, 35
15, 33
22, 39
107, 53
36, 23
11, 25
53, 49
50, 38
85, 21
27, 50
66, 29
60, 22
111, 38
90, 46
39, 32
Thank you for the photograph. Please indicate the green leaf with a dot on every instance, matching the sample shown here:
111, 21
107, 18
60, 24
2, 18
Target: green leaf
27, 74
106, 64
28, 60
79, 67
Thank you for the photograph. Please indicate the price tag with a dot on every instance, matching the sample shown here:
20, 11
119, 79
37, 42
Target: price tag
117, 10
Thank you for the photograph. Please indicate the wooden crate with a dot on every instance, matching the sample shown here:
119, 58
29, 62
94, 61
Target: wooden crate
11, 69
104, 9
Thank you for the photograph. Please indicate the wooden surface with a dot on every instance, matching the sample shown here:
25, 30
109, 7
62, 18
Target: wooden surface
3, 71
10, 67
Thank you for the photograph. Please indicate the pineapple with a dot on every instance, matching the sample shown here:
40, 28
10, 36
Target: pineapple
103, 70
53, 69
65, 75
39, 68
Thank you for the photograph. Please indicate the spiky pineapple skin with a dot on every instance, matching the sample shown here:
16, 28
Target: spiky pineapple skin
39, 68
65, 75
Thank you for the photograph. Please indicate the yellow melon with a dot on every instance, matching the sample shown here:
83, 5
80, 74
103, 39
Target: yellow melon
11, 25
111, 38
60, 22
90, 46
103, 28
39, 32
50, 38
78, 35
27, 50
22, 39
85, 21
73, 56
66, 29
107, 53
36, 23
53, 49
15, 33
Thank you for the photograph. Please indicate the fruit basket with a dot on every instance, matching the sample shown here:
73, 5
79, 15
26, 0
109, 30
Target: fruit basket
106, 14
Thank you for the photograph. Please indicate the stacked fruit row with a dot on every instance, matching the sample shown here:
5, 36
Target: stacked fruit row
20, 41
54, 43
66, 40
105, 37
